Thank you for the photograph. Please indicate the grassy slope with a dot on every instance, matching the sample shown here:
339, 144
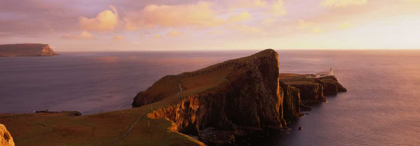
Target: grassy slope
295, 79
104, 128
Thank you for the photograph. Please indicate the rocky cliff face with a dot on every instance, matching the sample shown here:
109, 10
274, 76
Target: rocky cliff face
331, 85
311, 92
292, 102
6, 138
13, 50
248, 95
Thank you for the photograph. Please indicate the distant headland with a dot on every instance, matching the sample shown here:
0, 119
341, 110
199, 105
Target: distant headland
19, 50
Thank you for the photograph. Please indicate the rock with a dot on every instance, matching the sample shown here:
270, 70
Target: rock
244, 92
6, 138
310, 92
14, 50
333, 79
292, 102
330, 87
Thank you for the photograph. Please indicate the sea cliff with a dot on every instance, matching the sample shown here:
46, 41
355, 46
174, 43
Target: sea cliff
238, 93
245, 93
16, 50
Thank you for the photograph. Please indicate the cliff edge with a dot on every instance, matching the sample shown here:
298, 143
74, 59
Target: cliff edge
16, 50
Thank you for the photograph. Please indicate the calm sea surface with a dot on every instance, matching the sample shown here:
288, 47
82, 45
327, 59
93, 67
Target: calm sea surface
382, 106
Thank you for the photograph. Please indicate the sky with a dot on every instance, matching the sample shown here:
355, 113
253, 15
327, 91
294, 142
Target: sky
171, 25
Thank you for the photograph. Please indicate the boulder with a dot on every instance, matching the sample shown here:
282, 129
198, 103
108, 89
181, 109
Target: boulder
6, 138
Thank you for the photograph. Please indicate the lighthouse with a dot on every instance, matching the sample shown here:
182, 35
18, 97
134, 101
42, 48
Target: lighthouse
331, 72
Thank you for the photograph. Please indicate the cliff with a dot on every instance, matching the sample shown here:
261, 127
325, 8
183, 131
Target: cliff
14, 50
6, 138
244, 92
313, 90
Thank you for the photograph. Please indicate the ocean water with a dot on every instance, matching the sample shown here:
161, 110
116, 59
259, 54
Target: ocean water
380, 108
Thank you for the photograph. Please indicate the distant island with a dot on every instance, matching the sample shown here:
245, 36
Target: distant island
17, 50
211, 106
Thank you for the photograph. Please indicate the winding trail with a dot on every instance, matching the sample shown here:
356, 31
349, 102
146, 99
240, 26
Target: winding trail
138, 119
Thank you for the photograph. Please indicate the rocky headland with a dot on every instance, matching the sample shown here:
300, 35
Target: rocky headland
235, 97
16, 50
216, 105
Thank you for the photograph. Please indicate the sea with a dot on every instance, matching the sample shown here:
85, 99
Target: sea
381, 107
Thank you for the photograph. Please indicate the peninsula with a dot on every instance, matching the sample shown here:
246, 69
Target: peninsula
215, 105
17, 50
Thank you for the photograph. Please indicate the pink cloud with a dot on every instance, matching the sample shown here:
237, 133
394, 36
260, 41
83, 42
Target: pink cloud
83, 36
105, 21
197, 15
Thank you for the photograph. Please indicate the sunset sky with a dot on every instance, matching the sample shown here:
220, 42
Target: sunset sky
155, 25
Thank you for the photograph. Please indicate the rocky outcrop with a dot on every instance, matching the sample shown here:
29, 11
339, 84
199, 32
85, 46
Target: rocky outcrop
313, 90
311, 93
243, 92
292, 102
6, 138
331, 85
15, 50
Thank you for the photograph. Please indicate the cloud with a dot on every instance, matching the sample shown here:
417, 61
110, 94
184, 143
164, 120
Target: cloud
83, 36
174, 33
105, 21
197, 15
244, 4
268, 22
277, 8
118, 38
215, 31
244, 16
345, 25
157, 36
246, 29
343, 3
308, 27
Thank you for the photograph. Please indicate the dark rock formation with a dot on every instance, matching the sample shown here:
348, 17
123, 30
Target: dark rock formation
247, 94
6, 138
311, 92
292, 102
332, 80
14, 50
